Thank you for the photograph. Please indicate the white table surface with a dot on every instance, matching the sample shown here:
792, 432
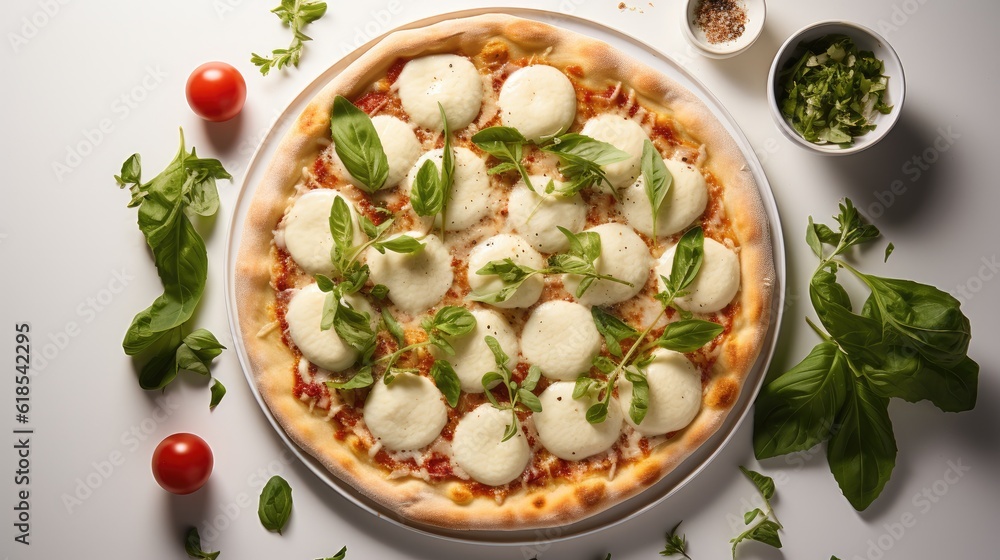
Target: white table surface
76, 268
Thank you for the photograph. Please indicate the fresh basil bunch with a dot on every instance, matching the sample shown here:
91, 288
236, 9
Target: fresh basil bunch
909, 341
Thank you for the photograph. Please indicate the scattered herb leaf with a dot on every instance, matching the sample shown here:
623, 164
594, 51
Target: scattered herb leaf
275, 504
296, 14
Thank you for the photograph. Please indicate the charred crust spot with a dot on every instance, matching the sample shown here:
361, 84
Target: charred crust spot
460, 495
649, 475
538, 502
723, 394
591, 494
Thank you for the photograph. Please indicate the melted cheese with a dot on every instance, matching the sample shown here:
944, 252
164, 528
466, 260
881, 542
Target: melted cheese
536, 215
674, 394
469, 200
307, 230
500, 247
561, 339
717, 281
685, 201
563, 427
625, 256
624, 134
473, 357
448, 79
539, 101
322, 347
416, 281
407, 414
479, 451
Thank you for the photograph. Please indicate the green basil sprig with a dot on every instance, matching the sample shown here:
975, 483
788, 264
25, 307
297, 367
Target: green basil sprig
192, 545
657, 180
166, 204
581, 157
507, 145
358, 145
580, 259
449, 321
275, 505
582, 161
296, 14
765, 530
909, 341
431, 190
518, 394
686, 335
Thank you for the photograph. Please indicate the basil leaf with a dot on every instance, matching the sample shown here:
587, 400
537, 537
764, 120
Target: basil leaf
427, 194
275, 504
363, 378
639, 405
688, 256
859, 336
656, 179
447, 381
393, 326
528, 399
901, 372
399, 244
923, 317
379, 291
507, 145
862, 453
324, 283
218, 392
582, 158
342, 231
688, 335
796, 410
531, 380
447, 162
604, 364
511, 429
131, 177
764, 484
499, 355
331, 304
358, 145
584, 385
812, 239
490, 380
613, 329
888, 251
455, 321
192, 545
341, 555
597, 413
354, 327
765, 532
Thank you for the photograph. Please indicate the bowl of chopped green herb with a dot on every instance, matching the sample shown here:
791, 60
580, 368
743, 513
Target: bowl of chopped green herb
835, 88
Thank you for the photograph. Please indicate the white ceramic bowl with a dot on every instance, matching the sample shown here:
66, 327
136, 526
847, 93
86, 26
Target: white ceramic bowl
755, 10
866, 40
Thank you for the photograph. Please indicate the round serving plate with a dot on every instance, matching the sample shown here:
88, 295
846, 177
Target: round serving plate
652, 495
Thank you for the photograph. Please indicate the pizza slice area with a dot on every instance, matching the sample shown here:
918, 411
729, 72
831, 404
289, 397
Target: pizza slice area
546, 215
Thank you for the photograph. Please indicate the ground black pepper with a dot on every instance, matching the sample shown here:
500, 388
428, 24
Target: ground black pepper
721, 20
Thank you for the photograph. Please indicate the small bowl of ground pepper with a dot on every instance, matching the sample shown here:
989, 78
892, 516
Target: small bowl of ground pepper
723, 28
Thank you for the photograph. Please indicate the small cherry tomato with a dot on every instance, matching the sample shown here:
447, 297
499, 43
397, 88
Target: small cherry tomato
216, 91
182, 463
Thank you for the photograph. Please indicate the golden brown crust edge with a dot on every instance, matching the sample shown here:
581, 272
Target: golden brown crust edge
441, 505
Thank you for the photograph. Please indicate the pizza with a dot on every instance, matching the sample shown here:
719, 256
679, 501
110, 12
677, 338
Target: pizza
500, 276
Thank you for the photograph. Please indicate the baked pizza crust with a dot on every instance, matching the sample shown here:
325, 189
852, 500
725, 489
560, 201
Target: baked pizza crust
451, 505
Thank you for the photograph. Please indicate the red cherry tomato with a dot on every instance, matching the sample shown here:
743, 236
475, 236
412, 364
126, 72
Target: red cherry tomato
216, 91
182, 463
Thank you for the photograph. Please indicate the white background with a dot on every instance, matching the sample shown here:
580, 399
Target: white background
67, 240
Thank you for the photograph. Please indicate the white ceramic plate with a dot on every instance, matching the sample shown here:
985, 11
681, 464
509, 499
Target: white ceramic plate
652, 495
